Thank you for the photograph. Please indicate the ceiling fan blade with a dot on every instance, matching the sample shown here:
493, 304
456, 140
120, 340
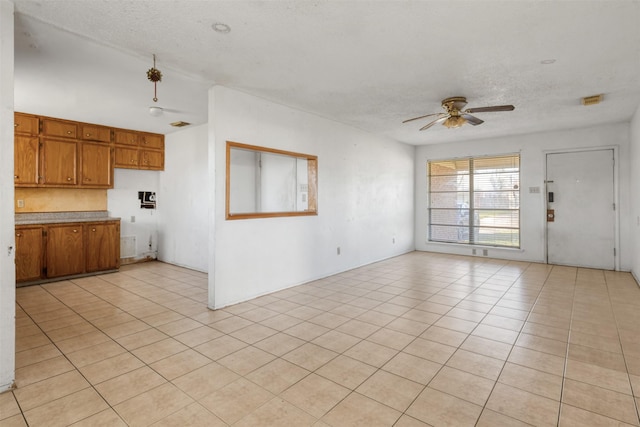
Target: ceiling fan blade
472, 119
490, 109
440, 120
422, 117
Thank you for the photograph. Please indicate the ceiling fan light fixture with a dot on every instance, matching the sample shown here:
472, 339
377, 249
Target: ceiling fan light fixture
155, 111
454, 122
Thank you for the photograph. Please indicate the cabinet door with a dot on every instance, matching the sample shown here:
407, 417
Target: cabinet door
96, 165
152, 159
103, 246
59, 162
52, 127
65, 250
152, 140
25, 123
25, 160
125, 138
95, 133
126, 158
28, 253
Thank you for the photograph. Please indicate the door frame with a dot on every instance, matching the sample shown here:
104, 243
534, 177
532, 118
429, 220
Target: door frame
616, 196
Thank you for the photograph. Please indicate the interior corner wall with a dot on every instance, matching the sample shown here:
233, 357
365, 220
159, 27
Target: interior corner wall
365, 200
7, 222
532, 149
183, 193
634, 193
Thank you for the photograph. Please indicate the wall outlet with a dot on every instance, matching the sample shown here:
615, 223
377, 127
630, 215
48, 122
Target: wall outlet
485, 252
20, 203
338, 250
393, 240
473, 251
133, 218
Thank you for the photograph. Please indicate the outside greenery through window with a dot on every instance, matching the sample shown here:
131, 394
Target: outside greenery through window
475, 201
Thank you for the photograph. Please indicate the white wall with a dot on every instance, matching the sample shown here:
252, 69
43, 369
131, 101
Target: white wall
365, 200
634, 192
532, 149
123, 202
7, 231
183, 200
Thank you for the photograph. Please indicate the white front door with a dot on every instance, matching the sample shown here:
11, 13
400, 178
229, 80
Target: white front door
580, 192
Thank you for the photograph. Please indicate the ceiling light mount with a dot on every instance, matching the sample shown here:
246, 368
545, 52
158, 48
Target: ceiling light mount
154, 75
220, 27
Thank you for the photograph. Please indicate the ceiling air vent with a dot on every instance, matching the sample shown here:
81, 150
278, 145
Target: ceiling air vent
180, 124
592, 100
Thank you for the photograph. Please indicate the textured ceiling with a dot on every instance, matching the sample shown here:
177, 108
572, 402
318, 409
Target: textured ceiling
369, 64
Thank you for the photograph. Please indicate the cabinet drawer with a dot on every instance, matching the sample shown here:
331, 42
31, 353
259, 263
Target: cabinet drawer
95, 133
24, 123
59, 128
125, 138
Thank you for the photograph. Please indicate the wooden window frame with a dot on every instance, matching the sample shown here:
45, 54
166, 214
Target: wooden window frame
312, 172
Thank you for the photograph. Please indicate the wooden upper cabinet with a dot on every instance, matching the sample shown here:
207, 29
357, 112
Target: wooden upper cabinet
26, 124
60, 128
126, 158
59, 159
96, 162
151, 159
152, 140
25, 160
123, 137
95, 133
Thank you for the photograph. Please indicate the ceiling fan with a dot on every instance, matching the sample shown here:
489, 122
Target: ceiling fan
455, 116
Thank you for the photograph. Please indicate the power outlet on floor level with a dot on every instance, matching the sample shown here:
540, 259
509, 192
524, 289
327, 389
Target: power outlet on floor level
338, 250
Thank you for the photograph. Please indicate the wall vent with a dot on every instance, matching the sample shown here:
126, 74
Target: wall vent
592, 100
127, 246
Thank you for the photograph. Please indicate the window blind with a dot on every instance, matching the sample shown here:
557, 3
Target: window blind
475, 201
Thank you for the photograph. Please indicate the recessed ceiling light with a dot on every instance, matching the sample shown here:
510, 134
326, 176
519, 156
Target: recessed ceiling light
547, 61
219, 27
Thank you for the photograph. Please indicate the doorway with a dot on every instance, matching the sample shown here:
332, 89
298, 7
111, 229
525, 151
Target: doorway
581, 217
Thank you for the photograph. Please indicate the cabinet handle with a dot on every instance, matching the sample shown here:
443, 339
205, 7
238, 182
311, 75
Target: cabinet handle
15, 125
88, 134
75, 231
93, 229
69, 132
68, 179
18, 234
132, 160
16, 177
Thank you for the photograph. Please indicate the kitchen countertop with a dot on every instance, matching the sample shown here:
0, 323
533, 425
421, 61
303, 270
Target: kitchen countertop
60, 217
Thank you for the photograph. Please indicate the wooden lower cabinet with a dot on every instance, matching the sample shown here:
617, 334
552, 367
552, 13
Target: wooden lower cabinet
102, 246
29, 253
51, 251
65, 250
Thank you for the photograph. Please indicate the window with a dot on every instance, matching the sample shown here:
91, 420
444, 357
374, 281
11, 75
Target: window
475, 201
265, 182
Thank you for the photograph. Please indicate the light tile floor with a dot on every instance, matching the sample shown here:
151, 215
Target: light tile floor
420, 339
